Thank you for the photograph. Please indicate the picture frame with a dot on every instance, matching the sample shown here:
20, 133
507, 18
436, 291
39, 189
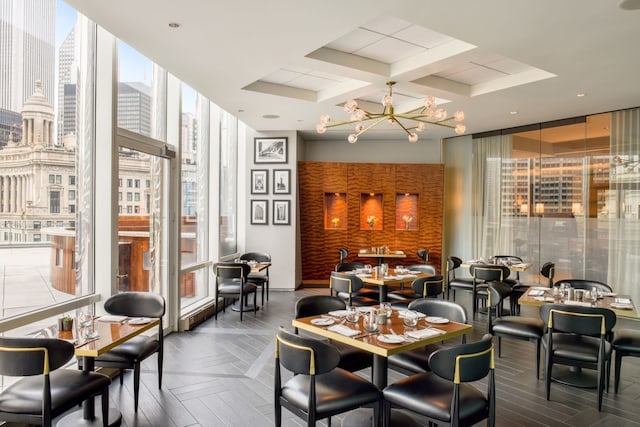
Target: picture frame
282, 181
259, 181
270, 150
259, 212
281, 212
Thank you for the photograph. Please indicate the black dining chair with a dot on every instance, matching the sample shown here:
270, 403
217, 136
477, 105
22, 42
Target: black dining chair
350, 288
547, 271
577, 336
343, 253
45, 389
318, 389
517, 327
232, 283
584, 284
483, 274
445, 396
422, 287
423, 254
351, 358
455, 283
130, 354
260, 278
417, 360
626, 342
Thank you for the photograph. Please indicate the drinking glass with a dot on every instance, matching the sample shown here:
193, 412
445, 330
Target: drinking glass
352, 314
410, 318
367, 268
594, 295
371, 321
385, 307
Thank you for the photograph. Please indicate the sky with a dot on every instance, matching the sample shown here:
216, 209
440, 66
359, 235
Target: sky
133, 66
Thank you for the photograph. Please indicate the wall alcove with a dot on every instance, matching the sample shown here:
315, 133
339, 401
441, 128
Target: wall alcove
329, 190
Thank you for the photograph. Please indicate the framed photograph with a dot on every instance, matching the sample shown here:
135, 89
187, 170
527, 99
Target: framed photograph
270, 150
259, 212
281, 181
259, 181
281, 211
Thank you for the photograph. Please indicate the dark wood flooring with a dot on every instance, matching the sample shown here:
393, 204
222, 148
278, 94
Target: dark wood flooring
221, 374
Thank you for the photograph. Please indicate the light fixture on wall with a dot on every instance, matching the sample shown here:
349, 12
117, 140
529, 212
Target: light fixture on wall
411, 121
540, 208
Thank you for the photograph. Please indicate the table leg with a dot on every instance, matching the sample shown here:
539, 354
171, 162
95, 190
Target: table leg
382, 290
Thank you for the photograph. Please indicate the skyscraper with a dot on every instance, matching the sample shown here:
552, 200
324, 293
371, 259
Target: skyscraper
27, 51
67, 77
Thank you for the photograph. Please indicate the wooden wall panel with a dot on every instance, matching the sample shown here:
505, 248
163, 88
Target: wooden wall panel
320, 245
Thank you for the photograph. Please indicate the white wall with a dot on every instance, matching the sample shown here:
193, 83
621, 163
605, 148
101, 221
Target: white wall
277, 240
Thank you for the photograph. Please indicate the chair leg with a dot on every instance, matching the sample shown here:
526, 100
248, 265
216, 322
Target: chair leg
616, 374
538, 344
255, 307
160, 358
499, 346
267, 285
278, 414
136, 385
121, 377
105, 407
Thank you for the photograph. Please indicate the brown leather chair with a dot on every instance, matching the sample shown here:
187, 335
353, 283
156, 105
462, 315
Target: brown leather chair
45, 391
318, 388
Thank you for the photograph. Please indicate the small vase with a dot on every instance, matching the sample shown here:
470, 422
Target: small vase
67, 324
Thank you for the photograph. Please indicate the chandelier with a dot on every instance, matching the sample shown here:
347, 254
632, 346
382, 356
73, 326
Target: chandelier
411, 121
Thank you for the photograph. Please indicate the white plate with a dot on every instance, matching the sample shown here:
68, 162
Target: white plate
437, 320
364, 309
390, 338
621, 306
139, 320
323, 321
338, 313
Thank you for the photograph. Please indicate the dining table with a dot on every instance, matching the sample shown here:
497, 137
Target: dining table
381, 255
383, 282
392, 337
104, 333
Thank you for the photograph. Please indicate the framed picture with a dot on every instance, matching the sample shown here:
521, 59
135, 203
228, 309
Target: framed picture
281, 211
259, 212
259, 181
270, 150
281, 181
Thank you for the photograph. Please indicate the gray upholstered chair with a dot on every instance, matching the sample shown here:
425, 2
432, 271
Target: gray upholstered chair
232, 283
260, 278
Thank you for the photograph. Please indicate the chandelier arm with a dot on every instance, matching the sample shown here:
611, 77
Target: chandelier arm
372, 125
399, 123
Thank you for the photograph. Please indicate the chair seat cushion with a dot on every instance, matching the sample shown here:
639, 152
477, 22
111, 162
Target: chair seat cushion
430, 395
577, 347
516, 326
68, 387
129, 352
461, 283
627, 340
336, 391
257, 277
234, 288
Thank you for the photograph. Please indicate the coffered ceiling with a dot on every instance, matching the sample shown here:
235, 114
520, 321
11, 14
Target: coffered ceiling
279, 65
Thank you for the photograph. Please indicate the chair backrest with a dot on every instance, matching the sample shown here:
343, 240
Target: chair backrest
489, 272
343, 282
548, 270
423, 268
313, 305
231, 270
453, 263
136, 304
585, 284
440, 308
306, 356
21, 357
256, 256
497, 293
348, 266
592, 321
428, 286
423, 254
464, 362
343, 253
508, 258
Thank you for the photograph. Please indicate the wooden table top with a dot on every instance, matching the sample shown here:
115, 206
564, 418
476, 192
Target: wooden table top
390, 279
111, 334
519, 267
390, 254
369, 342
547, 298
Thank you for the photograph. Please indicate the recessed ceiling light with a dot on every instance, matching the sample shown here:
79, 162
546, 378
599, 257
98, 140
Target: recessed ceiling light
271, 116
513, 113
580, 95
241, 111
174, 25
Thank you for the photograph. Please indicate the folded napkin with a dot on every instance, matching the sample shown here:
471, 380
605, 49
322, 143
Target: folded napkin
407, 276
424, 333
536, 292
547, 299
623, 301
622, 306
580, 303
401, 314
338, 313
521, 265
344, 330
609, 294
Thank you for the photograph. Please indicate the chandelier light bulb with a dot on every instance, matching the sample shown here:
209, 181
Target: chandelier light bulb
459, 116
321, 128
325, 119
413, 137
460, 129
430, 102
387, 100
420, 127
359, 127
352, 138
350, 106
